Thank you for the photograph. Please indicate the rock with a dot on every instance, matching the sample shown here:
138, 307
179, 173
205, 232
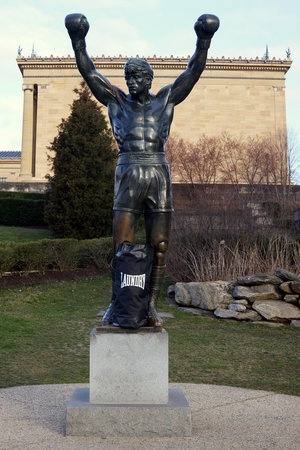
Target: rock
258, 279
231, 286
243, 301
228, 314
295, 323
295, 286
206, 295
182, 295
171, 290
286, 287
237, 307
286, 275
249, 315
166, 315
197, 312
274, 310
254, 293
225, 314
291, 298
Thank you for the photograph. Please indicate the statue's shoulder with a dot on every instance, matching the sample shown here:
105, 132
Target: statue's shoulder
164, 92
117, 98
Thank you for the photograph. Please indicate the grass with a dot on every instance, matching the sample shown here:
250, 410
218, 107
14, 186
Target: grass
23, 234
45, 329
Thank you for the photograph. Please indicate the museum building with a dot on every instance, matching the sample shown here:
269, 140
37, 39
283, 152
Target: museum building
238, 96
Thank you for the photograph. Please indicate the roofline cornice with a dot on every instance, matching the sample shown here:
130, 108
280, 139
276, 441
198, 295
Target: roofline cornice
170, 63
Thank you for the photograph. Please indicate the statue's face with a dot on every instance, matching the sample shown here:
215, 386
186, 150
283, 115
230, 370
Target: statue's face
137, 82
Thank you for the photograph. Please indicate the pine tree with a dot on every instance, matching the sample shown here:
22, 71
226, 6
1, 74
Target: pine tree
81, 187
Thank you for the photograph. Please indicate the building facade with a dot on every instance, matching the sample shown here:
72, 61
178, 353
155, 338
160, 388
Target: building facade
10, 164
237, 96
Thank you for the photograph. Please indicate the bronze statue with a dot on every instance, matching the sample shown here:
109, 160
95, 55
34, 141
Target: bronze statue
141, 124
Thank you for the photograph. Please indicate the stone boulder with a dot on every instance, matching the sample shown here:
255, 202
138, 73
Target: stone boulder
291, 298
225, 313
249, 315
242, 301
171, 290
254, 293
237, 307
286, 275
295, 286
276, 310
258, 279
205, 295
286, 287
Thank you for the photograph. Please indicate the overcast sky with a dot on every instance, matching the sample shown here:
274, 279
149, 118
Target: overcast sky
144, 27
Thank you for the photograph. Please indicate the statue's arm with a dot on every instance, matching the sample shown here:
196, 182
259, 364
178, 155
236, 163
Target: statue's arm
205, 28
78, 26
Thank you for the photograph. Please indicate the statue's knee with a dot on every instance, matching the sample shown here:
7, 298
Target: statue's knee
162, 247
160, 251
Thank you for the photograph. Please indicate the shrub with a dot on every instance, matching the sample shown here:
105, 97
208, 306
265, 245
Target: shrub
81, 187
26, 195
225, 256
22, 211
55, 254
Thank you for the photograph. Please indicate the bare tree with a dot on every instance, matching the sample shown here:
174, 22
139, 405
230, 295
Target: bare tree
293, 156
252, 161
231, 151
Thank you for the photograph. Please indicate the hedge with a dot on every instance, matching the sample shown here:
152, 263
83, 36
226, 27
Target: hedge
21, 212
27, 195
55, 254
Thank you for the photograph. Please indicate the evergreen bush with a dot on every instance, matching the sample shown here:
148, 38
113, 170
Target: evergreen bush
81, 188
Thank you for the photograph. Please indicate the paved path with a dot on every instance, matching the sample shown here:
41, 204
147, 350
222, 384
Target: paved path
33, 417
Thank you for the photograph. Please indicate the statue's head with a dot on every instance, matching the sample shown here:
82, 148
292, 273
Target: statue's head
138, 74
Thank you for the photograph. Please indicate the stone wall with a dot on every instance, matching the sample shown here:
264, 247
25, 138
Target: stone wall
9, 170
260, 297
39, 188
226, 205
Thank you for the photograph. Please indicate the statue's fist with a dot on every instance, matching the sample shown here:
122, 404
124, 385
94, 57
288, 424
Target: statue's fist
206, 26
77, 26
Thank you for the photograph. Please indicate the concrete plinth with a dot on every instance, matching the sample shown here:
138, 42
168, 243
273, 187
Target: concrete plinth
88, 419
128, 367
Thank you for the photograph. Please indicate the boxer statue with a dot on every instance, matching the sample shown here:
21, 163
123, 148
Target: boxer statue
141, 124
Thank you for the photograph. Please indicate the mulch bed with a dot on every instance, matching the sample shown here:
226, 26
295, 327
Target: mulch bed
28, 279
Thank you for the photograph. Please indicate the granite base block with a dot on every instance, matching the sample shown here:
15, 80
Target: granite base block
105, 420
128, 367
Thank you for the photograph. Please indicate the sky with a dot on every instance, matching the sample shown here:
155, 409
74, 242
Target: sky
143, 27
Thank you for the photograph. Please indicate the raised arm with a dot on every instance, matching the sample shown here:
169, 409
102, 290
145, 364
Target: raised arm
205, 27
78, 26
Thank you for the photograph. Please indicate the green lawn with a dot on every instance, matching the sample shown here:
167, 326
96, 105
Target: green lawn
44, 338
22, 234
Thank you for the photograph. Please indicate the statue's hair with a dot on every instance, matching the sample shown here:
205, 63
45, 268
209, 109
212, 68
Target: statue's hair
140, 65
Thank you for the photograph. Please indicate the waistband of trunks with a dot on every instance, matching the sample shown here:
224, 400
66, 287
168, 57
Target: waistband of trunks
142, 158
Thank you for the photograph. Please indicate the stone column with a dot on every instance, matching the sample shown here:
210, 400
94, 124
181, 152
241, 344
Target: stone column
26, 155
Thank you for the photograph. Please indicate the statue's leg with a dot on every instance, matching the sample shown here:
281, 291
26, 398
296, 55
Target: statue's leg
124, 226
106, 317
158, 227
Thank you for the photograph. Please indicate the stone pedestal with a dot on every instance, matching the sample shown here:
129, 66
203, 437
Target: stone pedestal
128, 367
128, 394
88, 419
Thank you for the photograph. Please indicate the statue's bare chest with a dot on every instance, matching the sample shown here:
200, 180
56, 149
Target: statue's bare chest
132, 121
